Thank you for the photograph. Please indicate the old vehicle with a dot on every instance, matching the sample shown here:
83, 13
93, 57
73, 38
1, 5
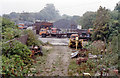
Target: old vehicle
53, 32
75, 41
44, 32
21, 26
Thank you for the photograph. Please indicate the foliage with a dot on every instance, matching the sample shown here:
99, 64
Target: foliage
89, 67
117, 6
9, 30
47, 13
14, 66
15, 59
6, 23
11, 33
73, 18
65, 24
114, 14
101, 25
111, 58
15, 47
114, 29
87, 20
118, 9
41, 61
15, 55
115, 23
32, 39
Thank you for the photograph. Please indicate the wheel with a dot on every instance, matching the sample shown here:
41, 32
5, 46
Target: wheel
43, 35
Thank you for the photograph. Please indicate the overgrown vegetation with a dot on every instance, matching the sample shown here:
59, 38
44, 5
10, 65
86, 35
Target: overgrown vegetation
16, 59
87, 20
101, 25
9, 30
32, 39
41, 61
109, 60
106, 33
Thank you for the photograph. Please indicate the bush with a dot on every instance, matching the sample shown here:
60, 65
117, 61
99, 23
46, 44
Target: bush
11, 33
33, 39
15, 59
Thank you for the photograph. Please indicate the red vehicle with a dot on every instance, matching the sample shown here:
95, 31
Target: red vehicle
54, 30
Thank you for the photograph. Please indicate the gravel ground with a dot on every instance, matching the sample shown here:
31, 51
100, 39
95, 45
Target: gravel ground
55, 41
58, 60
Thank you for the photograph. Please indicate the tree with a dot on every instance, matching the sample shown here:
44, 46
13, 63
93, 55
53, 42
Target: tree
118, 9
101, 25
117, 6
87, 20
49, 12
115, 22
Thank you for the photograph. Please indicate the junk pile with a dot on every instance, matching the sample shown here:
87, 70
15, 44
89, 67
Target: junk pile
75, 54
81, 60
92, 56
36, 50
80, 55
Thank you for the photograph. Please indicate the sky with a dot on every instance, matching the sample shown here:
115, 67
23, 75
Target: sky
69, 7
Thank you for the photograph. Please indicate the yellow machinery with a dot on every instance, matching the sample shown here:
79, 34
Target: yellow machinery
75, 42
43, 32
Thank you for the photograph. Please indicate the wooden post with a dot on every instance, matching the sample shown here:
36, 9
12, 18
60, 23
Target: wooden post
76, 42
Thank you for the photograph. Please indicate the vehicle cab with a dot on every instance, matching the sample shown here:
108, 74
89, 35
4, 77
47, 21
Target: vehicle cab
54, 30
74, 36
43, 31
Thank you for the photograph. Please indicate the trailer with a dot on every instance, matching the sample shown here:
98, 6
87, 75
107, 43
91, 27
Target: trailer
45, 29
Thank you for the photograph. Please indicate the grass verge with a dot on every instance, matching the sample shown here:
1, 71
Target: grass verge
41, 60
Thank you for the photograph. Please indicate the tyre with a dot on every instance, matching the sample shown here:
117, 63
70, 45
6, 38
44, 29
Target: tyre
43, 35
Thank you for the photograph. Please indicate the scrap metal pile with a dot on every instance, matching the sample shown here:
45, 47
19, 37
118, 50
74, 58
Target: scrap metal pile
36, 50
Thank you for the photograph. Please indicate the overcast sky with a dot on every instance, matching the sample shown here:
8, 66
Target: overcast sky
69, 7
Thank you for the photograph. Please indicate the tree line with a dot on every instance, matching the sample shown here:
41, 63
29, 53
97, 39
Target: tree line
49, 13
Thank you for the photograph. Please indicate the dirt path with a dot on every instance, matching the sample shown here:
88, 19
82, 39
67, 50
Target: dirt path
57, 62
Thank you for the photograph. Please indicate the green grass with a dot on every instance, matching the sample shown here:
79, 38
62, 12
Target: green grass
0, 64
74, 68
53, 69
41, 60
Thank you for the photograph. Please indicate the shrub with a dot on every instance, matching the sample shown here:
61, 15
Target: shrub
15, 59
32, 39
